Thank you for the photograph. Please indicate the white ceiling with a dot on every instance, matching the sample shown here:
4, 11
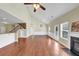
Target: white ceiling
6, 18
53, 10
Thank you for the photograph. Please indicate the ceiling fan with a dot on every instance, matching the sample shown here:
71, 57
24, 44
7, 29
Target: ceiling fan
36, 6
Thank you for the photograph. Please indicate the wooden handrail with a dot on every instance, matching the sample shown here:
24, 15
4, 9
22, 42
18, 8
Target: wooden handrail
19, 26
14, 28
23, 25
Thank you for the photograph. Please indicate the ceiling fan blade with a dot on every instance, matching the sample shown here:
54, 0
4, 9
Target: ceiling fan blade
34, 10
28, 3
42, 7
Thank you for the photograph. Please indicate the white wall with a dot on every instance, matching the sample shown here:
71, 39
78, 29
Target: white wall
38, 27
6, 39
2, 28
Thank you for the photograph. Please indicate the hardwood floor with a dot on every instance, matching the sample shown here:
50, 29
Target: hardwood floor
34, 46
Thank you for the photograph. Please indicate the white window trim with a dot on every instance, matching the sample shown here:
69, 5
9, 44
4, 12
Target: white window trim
63, 30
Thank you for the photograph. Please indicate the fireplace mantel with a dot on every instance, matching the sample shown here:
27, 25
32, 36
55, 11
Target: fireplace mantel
74, 34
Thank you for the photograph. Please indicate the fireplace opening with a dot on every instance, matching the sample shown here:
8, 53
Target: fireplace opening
75, 45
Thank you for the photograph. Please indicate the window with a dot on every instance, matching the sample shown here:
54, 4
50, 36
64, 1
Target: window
64, 30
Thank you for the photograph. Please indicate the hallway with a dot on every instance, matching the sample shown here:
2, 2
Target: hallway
38, 45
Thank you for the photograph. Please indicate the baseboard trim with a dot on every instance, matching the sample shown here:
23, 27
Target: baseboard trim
39, 33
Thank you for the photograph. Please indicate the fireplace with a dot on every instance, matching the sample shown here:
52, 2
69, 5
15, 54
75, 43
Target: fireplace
75, 45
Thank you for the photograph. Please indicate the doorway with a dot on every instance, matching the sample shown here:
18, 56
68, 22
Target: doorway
56, 32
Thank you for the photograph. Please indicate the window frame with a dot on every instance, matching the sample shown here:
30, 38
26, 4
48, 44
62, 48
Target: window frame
61, 30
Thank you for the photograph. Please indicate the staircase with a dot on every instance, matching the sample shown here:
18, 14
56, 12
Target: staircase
17, 27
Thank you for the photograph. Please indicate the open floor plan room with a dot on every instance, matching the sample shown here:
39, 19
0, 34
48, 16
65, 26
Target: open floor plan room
39, 29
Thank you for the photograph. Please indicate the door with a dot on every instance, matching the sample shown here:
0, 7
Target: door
56, 32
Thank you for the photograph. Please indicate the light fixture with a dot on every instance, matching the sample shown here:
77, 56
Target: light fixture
36, 6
